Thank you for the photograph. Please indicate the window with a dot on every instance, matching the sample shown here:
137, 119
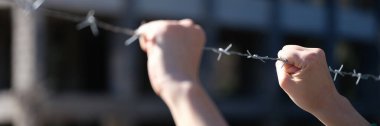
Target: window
314, 2
76, 60
303, 41
363, 58
359, 4
307, 119
74, 123
237, 76
5, 49
161, 122
143, 85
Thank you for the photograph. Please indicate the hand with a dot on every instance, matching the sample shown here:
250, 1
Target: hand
305, 78
307, 81
174, 50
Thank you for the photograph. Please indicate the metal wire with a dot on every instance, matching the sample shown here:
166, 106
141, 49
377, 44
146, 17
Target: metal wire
91, 21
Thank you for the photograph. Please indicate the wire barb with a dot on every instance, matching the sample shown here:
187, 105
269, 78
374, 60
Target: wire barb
358, 75
336, 72
254, 56
91, 22
222, 51
36, 4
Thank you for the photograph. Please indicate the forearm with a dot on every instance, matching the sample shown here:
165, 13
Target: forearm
190, 105
173, 72
340, 113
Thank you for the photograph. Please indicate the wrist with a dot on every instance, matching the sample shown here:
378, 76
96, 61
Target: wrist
339, 111
178, 90
190, 105
333, 103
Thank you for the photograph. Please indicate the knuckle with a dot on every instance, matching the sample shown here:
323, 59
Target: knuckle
279, 53
290, 47
293, 55
315, 54
287, 47
311, 56
319, 52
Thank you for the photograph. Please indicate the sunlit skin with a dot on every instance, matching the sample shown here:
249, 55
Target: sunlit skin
174, 49
307, 81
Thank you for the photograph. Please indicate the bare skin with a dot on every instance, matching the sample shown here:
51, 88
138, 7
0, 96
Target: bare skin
307, 81
174, 50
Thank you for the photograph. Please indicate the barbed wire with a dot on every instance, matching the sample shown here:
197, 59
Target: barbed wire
336, 72
91, 21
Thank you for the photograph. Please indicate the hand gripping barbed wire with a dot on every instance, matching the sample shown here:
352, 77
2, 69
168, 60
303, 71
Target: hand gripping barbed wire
336, 72
94, 24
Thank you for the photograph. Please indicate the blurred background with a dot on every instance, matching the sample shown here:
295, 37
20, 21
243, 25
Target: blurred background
54, 75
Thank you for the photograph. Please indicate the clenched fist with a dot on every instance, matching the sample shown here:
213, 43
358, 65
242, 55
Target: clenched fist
308, 83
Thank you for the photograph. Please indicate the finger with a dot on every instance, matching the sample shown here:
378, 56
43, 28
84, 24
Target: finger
291, 69
292, 56
288, 66
143, 41
293, 47
317, 51
141, 28
284, 79
186, 22
280, 71
143, 38
146, 38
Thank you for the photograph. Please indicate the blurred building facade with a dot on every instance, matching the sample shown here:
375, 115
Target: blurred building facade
55, 75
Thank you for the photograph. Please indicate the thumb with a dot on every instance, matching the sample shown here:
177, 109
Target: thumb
146, 39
